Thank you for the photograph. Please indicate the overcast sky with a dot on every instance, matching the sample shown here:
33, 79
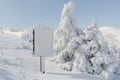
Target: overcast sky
29, 13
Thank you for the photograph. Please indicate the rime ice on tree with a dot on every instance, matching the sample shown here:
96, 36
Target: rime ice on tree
96, 57
67, 37
67, 29
86, 51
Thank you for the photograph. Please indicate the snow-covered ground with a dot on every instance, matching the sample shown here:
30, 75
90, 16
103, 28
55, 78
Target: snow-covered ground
18, 63
112, 35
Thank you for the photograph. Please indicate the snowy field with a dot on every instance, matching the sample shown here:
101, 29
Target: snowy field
18, 63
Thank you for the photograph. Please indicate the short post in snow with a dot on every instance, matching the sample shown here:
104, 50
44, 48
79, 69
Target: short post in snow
42, 64
42, 44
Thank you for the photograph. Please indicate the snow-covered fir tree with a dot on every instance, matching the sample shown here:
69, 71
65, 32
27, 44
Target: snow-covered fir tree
67, 37
67, 29
96, 57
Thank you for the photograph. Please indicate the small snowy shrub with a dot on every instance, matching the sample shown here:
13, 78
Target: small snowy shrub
27, 35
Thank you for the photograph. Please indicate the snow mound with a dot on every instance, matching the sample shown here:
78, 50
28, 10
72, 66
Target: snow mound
111, 33
12, 31
112, 37
12, 40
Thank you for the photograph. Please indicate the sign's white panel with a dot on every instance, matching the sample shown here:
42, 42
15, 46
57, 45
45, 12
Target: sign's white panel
42, 44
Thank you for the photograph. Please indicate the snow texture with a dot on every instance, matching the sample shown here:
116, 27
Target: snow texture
20, 64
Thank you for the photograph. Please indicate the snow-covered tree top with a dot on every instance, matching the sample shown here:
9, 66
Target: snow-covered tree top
93, 24
92, 28
68, 10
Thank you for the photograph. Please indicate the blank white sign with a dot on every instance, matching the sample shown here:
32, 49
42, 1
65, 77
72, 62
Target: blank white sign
42, 42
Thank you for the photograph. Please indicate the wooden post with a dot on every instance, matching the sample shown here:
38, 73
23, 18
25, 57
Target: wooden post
42, 64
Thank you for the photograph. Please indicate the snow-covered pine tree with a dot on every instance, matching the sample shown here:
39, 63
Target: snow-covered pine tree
67, 37
98, 59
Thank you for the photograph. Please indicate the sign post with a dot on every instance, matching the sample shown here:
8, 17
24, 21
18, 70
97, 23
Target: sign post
42, 44
42, 64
